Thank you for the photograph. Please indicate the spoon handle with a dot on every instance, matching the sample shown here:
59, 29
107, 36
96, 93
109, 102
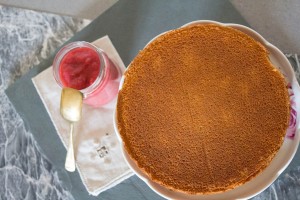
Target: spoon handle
70, 160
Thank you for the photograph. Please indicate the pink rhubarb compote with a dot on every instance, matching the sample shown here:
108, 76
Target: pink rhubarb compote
83, 66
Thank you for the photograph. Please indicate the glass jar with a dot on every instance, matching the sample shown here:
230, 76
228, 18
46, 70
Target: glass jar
83, 66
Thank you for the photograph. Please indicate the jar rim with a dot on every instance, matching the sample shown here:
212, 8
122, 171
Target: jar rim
69, 47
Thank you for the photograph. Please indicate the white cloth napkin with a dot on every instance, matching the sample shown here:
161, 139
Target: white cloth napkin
97, 151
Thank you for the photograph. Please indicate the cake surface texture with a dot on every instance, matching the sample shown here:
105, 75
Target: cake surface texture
202, 109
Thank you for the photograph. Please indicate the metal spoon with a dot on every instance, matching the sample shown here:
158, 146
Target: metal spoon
70, 109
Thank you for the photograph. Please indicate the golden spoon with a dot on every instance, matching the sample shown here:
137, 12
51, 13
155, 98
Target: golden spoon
70, 109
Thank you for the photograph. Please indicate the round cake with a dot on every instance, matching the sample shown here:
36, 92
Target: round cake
202, 110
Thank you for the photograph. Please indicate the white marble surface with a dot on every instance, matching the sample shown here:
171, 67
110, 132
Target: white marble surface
26, 38
85, 9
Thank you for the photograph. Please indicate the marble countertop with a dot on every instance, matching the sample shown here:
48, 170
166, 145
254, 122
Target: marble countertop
27, 38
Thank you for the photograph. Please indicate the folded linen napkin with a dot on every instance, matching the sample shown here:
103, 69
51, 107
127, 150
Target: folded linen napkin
97, 152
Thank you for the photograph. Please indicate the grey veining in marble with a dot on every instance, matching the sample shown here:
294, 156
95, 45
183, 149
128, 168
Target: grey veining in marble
26, 38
